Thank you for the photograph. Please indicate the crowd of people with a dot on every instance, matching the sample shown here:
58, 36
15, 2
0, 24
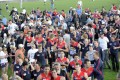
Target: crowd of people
52, 45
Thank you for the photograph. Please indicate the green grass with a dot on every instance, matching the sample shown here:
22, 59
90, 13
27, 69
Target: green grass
64, 4
60, 4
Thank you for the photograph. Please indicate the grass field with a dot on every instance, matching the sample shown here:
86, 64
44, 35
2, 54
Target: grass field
64, 4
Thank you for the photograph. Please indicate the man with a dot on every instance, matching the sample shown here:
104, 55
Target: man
98, 67
60, 72
99, 49
90, 53
66, 37
84, 49
3, 60
88, 68
55, 76
103, 43
72, 64
52, 4
20, 39
31, 52
20, 52
40, 56
36, 72
17, 66
114, 47
78, 74
12, 27
24, 72
62, 59
46, 75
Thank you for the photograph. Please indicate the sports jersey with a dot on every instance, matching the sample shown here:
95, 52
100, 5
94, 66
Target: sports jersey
64, 60
89, 71
44, 77
78, 77
73, 63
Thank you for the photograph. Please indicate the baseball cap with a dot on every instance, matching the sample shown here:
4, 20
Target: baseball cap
91, 45
21, 45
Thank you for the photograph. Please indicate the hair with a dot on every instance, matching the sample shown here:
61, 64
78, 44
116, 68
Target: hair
47, 65
24, 63
75, 55
53, 69
97, 53
86, 60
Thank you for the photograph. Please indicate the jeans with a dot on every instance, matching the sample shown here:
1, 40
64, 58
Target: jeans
106, 58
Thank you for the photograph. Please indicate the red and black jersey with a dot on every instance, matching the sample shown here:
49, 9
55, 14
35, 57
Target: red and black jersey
58, 78
46, 77
61, 45
29, 39
78, 76
52, 41
89, 71
39, 39
64, 60
55, 13
74, 44
73, 63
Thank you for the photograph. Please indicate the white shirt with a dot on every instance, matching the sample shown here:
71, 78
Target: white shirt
12, 28
118, 11
103, 42
4, 60
67, 39
31, 53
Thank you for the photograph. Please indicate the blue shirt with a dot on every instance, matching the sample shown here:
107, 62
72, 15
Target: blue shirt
79, 11
4, 20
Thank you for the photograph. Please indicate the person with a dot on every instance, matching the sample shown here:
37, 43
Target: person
88, 68
98, 67
3, 61
72, 63
60, 71
20, 52
55, 76
103, 43
41, 56
78, 74
66, 37
31, 52
99, 49
7, 7
12, 27
46, 74
36, 72
62, 59
114, 47
24, 73
90, 53
17, 66
52, 4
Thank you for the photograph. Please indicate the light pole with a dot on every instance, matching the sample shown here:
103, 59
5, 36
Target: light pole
21, 1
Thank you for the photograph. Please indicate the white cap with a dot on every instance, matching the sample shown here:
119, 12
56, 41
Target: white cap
15, 9
32, 60
21, 45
